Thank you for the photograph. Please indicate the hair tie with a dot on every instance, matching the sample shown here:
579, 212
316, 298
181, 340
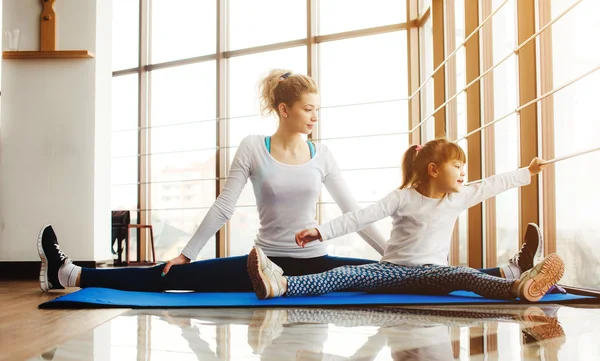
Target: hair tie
284, 76
419, 147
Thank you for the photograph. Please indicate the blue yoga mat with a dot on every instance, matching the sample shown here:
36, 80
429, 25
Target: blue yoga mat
105, 298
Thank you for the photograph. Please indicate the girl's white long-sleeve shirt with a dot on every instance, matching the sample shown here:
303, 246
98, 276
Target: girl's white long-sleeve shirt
286, 198
422, 226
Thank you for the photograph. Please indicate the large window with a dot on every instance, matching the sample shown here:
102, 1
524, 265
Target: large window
184, 96
576, 128
165, 138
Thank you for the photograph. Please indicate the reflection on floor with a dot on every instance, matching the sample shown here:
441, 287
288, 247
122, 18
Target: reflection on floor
518, 332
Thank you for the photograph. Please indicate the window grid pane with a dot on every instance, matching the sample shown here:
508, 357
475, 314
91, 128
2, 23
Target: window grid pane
270, 21
125, 34
182, 29
359, 14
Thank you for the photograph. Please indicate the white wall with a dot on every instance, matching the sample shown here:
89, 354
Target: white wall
55, 134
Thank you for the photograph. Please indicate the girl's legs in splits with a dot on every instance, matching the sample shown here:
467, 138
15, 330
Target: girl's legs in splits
215, 275
268, 280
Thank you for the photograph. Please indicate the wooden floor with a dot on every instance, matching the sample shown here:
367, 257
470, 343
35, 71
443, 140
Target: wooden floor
492, 332
26, 331
523, 332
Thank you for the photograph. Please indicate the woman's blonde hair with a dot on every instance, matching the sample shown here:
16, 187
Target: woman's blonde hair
283, 86
417, 158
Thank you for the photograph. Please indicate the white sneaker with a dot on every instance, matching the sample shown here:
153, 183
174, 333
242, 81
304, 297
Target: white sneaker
265, 326
535, 282
267, 277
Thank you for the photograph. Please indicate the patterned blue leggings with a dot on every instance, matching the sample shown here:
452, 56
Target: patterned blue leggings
384, 277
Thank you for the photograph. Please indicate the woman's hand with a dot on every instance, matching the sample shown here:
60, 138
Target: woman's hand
536, 166
307, 236
181, 259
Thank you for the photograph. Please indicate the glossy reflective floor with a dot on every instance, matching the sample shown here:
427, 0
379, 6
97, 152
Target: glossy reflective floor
548, 332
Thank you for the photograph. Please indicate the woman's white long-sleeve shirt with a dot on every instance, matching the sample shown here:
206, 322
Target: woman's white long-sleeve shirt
286, 197
422, 227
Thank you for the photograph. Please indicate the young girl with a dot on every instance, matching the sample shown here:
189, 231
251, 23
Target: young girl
424, 211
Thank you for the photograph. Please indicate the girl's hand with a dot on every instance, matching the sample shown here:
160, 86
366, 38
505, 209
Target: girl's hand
181, 259
307, 236
536, 166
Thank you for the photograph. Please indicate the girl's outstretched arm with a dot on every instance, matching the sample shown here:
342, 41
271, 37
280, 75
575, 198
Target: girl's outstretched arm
492, 186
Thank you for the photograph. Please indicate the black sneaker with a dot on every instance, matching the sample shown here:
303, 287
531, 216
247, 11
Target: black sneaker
52, 259
533, 238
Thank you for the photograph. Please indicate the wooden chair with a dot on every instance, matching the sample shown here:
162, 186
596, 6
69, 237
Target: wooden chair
121, 231
138, 262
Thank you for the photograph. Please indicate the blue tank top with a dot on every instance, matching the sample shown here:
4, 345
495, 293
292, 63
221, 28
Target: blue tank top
311, 146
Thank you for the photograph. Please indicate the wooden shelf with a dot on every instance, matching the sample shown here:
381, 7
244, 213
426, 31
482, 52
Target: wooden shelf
56, 54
